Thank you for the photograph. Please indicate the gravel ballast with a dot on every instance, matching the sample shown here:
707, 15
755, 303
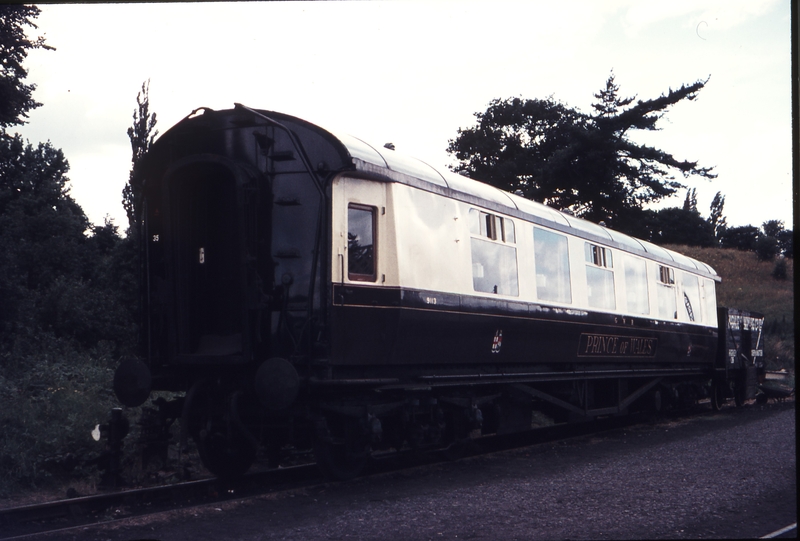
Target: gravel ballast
730, 474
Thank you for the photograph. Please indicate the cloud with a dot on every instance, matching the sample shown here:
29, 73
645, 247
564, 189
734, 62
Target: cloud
715, 15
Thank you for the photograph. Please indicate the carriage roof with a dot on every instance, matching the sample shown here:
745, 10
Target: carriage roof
369, 159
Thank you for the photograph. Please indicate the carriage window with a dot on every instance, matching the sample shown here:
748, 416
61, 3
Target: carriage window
636, 285
494, 262
491, 226
691, 297
710, 301
598, 255
599, 277
551, 256
494, 268
667, 304
508, 231
360, 243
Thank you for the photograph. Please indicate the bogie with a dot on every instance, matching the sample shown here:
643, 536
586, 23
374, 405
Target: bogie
213, 419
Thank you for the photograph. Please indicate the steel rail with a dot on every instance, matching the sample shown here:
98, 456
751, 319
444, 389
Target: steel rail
782, 531
24, 521
64, 515
70, 514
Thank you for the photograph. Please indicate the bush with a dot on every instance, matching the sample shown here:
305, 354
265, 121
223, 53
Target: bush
742, 238
779, 272
766, 248
50, 408
68, 297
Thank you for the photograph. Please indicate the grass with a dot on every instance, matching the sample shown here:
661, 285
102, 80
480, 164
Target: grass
748, 284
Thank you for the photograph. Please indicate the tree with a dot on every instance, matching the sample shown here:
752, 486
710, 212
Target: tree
515, 144
141, 134
784, 238
690, 203
126, 262
786, 242
772, 228
742, 238
677, 226
63, 318
16, 97
557, 155
42, 240
766, 248
38, 215
716, 219
610, 102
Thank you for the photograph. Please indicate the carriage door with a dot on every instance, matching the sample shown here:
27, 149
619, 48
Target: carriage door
207, 271
360, 212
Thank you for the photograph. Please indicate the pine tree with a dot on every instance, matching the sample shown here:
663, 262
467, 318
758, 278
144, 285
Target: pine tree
610, 103
557, 155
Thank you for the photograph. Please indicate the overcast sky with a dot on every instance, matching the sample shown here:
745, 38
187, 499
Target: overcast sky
414, 72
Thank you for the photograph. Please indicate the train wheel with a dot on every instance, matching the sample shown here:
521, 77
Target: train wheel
658, 401
223, 449
345, 453
224, 456
739, 393
456, 435
717, 395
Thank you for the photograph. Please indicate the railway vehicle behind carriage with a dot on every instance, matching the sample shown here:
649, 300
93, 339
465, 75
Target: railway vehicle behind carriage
306, 289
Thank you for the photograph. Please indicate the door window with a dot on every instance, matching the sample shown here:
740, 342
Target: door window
361, 243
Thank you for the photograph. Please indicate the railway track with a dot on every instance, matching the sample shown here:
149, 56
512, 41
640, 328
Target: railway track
26, 521
71, 514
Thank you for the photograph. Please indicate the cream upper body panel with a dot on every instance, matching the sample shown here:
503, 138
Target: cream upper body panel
423, 240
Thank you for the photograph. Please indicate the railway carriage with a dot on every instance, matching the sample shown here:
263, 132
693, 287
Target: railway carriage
308, 289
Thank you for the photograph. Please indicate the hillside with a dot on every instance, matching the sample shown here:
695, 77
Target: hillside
748, 284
